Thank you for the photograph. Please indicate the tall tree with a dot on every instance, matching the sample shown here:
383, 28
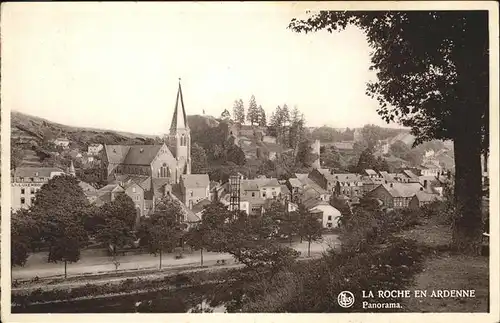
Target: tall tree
122, 208
164, 229
262, 117
310, 226
239, 111
366, 160
115, 234
253, 111
439, 87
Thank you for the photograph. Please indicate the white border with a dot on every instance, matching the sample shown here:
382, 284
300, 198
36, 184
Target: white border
299, 8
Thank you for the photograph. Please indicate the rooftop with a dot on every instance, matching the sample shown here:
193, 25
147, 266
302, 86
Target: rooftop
36, 171
196, 180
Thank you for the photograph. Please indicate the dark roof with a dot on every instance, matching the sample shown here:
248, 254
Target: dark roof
349, 178
141, 154
402, 189
427, 197
370, 172
31, 171
116, 153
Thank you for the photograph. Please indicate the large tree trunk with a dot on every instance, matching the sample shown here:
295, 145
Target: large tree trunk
468, 224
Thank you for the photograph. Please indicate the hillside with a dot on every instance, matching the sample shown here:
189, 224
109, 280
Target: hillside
30, 136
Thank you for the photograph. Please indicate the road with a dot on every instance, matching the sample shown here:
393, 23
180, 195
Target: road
95, 261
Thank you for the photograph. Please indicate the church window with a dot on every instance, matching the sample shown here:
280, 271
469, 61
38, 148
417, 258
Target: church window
183, 140
191, 193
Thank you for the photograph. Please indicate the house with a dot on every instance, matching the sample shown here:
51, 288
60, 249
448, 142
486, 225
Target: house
324, 178
423, 198
430, 169
94, 149
257, 191
27, 181
350, 185
61, 142
194, 188
395, 195
370, 173
329, 215
309, 189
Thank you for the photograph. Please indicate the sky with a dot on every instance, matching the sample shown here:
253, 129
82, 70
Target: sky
117, 65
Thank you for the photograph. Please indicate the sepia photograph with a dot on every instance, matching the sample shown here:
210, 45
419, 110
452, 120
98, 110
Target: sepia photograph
248, 157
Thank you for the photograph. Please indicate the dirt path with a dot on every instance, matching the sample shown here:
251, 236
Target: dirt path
447, 271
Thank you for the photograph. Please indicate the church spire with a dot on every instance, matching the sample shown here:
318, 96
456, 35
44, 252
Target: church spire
179, 119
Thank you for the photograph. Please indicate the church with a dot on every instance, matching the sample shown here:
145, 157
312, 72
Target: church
148, 172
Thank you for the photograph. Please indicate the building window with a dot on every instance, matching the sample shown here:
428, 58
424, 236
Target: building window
22, 200
133, 189
22, 190
191, 193
253, 194
329, 225
32, 190
264, 194
32, 199
329, 218
274, 193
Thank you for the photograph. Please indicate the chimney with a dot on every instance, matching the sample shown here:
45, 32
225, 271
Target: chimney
426, 184
331, 171
142, 150
386, 182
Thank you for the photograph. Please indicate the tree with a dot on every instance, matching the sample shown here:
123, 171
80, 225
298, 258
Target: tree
381, 165
115, 234
250, 239
199, 160
20, 240
310, 226
239, 111
66, 237
253, 111
60, 208
262, 117
439, 87
305, 156
366, 160
164, 229
399, 149
331, 158
122, 208
236, 155
225, 115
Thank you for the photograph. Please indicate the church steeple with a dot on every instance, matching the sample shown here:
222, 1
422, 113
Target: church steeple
179, 119
179, 139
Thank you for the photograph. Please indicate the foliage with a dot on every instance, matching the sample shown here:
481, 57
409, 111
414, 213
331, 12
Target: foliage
92, 175
66, 237
399, 149
122, 208
239, 111
199, 160
20, 239
235, 155
163, 229
250, 239
262, 120
329, 134
305, 156
253, 111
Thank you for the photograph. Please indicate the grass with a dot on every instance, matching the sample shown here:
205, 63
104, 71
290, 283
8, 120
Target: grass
447, 271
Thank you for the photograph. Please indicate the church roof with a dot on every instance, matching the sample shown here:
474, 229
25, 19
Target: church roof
116, 153
179, 119
132, 155
141, 154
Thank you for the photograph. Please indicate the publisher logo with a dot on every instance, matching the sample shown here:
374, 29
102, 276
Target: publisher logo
345, 299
